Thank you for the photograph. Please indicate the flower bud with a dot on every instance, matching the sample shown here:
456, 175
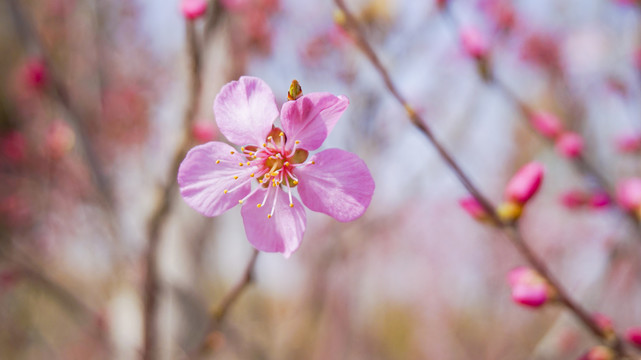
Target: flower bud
525, 183
59, 139
295, 91
34, 74
629, 193
569, 144
473, 207
599, 353
473, 42
599, 199
573, 199
203, 131
528, 287
546, 124
193, 9
633, 335
628, 142
604, 323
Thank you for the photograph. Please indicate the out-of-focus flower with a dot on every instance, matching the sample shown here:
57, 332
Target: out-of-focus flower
542, 50
525, 183
546, 124
501, 12
629, 194
13, 147
569, 144
15, 211
529, 288
193, 9
474, 43
203, 131
441, 4
34, 74
599, 199
633, 335
59, 139
604, 322
598, 353
473, 207
628, 142
573, 199
215, 177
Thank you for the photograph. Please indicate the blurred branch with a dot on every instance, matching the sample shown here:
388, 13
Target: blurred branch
219, 313
511, 231
58, 92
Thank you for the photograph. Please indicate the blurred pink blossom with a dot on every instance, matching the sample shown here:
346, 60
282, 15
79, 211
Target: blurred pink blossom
473, 207
629, 193
525, 183
569, 144
573, 199
628, 142
528, 287
473, 42
599, 199
34, 74
13, 147
204, 131
193, 9
633, 335
546, 124
59, 139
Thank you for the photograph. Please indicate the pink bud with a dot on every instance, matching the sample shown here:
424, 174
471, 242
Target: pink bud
629, 193
473, 42
59, 139
604, 322
633, 335
599, 199
525, 183
473, 207
628, 142
528, 287
34, 73
573, 199
598, 353
569, 144
547, 124
193, 9
204, 131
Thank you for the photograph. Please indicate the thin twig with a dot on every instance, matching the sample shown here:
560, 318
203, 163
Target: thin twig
511, 231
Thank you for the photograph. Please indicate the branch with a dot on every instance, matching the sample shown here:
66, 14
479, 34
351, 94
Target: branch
511, 231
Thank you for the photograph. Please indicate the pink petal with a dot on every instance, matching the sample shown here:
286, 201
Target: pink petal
629, 193
203, 182
338, 184
245, 111
283, 232
311, 118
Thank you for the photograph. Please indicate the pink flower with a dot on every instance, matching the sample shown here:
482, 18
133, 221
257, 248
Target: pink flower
59, 139
525, 183
215, 177
569, 144
633, 335
203, 131
629, 193
628, 142
34, 73
473, 207
598, 353
193, 9
528, 287
547, 124
474, 43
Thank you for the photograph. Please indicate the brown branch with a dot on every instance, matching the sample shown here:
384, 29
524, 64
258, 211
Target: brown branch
511, 231
161, 210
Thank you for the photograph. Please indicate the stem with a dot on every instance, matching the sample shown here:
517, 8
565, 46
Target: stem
511, 231
152, 280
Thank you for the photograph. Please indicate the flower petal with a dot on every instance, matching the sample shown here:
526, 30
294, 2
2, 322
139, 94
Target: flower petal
245, 111
283, 232
203, 182
311, 118
338, 184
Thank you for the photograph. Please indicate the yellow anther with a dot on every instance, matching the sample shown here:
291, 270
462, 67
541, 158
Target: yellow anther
286, 163
291, 205
264, 144
232, 152
281, 134
240, 164
297, 142
295, 182
252, 175
217, 161
269, 137
269, 216
248, 163
224, 191
259, 205
240, 201
235, 177
274, 173
313, 162
260, 181
242, 148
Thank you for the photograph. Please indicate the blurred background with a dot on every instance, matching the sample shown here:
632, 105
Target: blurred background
99, 98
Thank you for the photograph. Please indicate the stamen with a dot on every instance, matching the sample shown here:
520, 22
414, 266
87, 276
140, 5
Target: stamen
297, 142
217, 161
240, 164
248, 163
242, 149
252, 175
240, 201
232, 152
225, 191
236, 177
274, 204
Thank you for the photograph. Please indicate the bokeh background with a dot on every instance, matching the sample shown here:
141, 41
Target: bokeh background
93, 102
